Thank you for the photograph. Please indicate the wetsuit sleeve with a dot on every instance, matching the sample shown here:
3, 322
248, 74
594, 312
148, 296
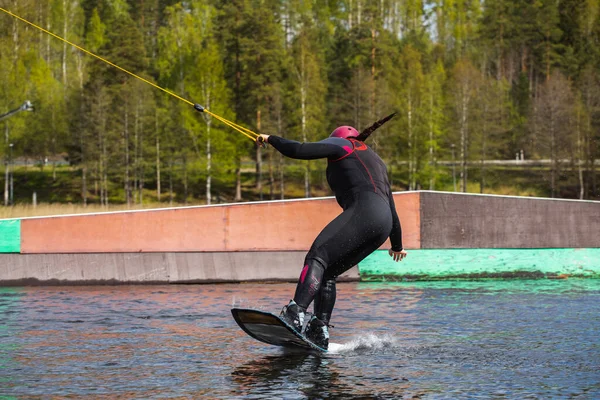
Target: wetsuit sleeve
307, 151
396, 234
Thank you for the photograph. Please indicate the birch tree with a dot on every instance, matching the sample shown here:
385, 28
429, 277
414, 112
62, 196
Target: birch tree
434, 115
213, 92
588, 139
412, 93
308, 67
465, 85
553, 122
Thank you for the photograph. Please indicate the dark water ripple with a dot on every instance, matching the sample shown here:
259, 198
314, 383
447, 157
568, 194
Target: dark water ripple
508, 339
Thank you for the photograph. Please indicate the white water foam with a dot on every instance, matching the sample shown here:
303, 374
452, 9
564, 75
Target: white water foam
368, 341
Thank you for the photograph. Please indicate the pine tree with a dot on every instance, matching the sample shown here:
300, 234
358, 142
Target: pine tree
126, 49
456, 25
252, 34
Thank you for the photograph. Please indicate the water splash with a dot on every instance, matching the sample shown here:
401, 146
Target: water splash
242, 302
365, 342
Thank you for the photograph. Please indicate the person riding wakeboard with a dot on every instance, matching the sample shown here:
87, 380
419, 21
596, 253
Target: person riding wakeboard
358, 178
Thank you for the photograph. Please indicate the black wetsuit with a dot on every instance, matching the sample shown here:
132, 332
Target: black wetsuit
358, 178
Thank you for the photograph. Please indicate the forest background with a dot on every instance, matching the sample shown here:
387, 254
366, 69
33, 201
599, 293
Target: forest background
492, 96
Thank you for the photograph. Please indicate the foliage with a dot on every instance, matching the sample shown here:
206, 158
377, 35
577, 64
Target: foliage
471, 82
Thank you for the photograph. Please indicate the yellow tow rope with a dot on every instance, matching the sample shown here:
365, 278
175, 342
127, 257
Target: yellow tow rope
244, 131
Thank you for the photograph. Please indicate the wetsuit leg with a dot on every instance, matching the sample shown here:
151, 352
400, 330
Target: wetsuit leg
309, 282
344, 242
325, 300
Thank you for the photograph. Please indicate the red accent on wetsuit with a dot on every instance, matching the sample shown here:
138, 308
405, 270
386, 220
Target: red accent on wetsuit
352, 173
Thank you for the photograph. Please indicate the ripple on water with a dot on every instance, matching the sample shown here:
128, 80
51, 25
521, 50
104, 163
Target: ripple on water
438, 340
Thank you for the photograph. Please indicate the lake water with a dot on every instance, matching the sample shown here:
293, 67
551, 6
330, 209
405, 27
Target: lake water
504, 339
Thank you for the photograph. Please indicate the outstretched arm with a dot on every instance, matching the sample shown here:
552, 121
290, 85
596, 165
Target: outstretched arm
328, 148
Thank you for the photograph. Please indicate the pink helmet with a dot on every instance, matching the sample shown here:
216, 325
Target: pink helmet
344, 132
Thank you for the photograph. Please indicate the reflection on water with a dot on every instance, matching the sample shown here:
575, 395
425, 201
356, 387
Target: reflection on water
393, 340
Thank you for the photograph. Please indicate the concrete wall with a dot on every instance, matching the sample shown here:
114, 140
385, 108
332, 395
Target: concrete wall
268, 240
466, 236
112, 268
266, 226
222, 243
451, 220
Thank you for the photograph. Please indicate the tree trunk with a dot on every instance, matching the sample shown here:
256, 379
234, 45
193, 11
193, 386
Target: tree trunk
259, 187
238, 180
280, 160
588, 153
281, 176
580, 157
104, 186
65, 33
350, 8
126, 148
303, 117
136, 165
101, 161
157, 155
547, 57
96, 178
594, 180
483, 149
271, 177
82, 143
431, 154
416, 186
208, 163
84, 183
373, 83
553, 159
463, 141
482, 169
141, 180
6, 166
185, 179
410, 142
40, 32
15, 36
53, 144
48, 28
171, 179
207, 92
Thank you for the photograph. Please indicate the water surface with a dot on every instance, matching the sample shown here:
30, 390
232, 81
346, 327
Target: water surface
506, 339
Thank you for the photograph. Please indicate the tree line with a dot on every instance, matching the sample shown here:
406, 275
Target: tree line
471, 81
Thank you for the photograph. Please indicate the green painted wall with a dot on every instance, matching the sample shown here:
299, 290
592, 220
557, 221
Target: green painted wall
482, 263
10, 236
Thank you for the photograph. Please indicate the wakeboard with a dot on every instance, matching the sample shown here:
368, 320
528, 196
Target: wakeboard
271, 329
